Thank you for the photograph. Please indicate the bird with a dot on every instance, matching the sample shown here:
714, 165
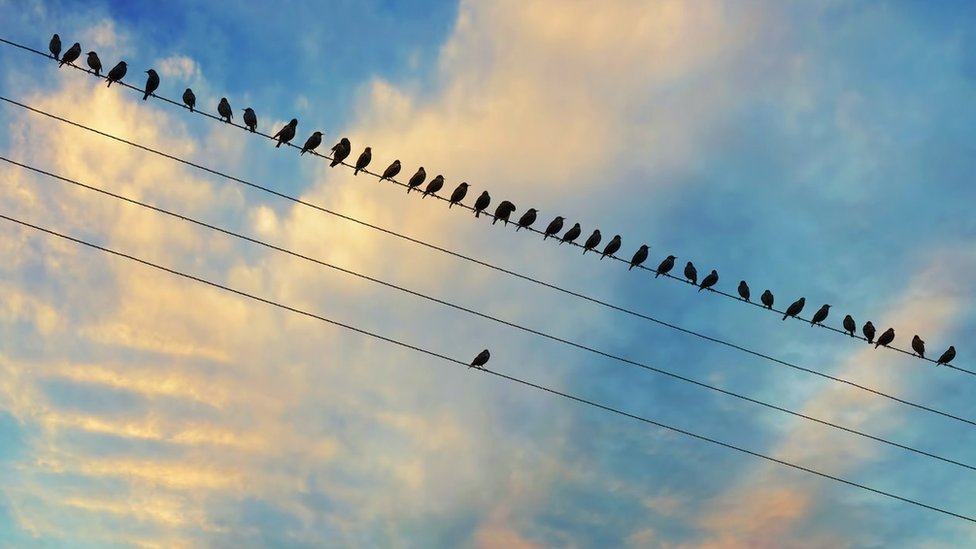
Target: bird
417, 179
503, 211
947, 356
592, 241
190, 100
152, 82
94, 63
117, 73
55, 46
434, 186
820, 315
767, 299
527, 219
639, 257
391, 171
572, 234
868, 331
223, 109
313, 141
554, 227
691, 273
665, 267
458, 195
363, 160
795, 307
849, 325
286, 133
340, 151
250, 119
73, 53
612, 247
710, 280
480, 360
886, 338
743, 290
481, 203
918, 346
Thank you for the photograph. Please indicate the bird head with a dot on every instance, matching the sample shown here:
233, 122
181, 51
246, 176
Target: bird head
644, 246
248, 109
826, 306
369, 149
344, 141
92, 53
561, 218
690, 264
56, 36
533, 210
151, 72
396, 162
223, 99
597, 231
465, 185
293, 123
672, 258
76, 46
802, 300
317, 133
616, 237
188, 90
123, 64
714, 272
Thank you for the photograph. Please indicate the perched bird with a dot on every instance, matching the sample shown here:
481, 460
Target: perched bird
572, 234
313, 141
190, 100
592, 241
417, 179
340, 151
639, 257
55, 46
94, 63
795, 307
117, 73
480, 360
665, 266
286, 133
363, 160
458, 195
868, 331
691, 273
743, 290
918, 346
767, 299
223, 109
849, 325
483, 201
391, 171
611, 247
434, 186
710, 280
820, 315
527, 219
503, 211
73, 53
886, 338
250, 119
152, 82
554, 227
947, 356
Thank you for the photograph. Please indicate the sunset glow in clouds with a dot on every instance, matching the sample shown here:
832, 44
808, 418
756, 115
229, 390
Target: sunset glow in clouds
819, 149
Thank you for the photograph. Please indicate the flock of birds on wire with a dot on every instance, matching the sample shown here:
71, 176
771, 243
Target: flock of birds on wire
503, 212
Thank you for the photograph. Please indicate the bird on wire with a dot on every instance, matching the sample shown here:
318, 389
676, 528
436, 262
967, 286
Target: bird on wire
435, 185
117, 73
391, 171
640, 256
593, 241
340, 151
918, 346
481, 203
795, 307
868, 331
363, 160
528, 218
767, 299
312, 142
189, 99
224, 110
710, 280
503, 211
70, 56
286, 133
665, 266
94, 63
458, 195
416, 179
152, 83
611, 247
572, 234
691, 273
54, 46
743, 290
250, 119
554, 227
849, 325
947, 356
480, 360
820, 315
886, 338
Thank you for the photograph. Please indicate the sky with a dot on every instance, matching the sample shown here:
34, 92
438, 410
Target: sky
823, 149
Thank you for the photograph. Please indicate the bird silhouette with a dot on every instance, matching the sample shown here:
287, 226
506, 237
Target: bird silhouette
94, 63
611, 247
593, 241
767, 299
117, 73
286, 133
640, 256
223, 109
527, 219
340, 151
313, 141
189, 99
849, 325
743, 290
572, 234
417, 179
691, 273
55, 46
947, 356
458, 195
503, 211
481, 203
820, 315
391, 171
665, 267
250, 119
868, 331
434, 186
73, 53
918, 346
554, 227
480, 360
363, 160
795, 307
886, 338
152, 82
710, 280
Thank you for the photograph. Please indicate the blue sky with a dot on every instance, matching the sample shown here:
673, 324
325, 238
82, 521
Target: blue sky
823, 150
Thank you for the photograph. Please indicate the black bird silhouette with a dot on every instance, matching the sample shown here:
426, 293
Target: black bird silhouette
640, 256
313, 141
55, 46
417, 179
434, 186
340, 151
612, 247
743, 290
795, 307
363, 160
481, 203
767, 299
710, 280
849, 325
480, 360
117, 73
250, 119
868, 331
572, 234
691, 273
918, 346
886, 338
458, 195
665, 266
152, 82
73, 53
820, 315
527, 219
503, 211
189, 99
554, 227
223, 109
947, 356
391, 171
286, 133
94, 63
593, 241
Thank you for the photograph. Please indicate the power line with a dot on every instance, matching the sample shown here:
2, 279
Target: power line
497, 268
479, 314
488, 215
492, 372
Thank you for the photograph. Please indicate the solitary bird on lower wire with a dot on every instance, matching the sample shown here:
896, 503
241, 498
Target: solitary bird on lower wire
250, 119
313, 141
691, 273
820, 315
223, 109
55, 46
868, 331
458, 195
117, 73
527, 219
73, 53
795, 307
363, 160
286, 133
710, 280
189, 99
152, 82
480, 360
918, 346
665, 267
554, 227
572, 234
391, 171
503, 211
340, 151
593, 241
849, 325
767, 299
947, 356
434, 186
481, 203
886, 338
611, 247
743, 290
640, 256
94, 63
416, 179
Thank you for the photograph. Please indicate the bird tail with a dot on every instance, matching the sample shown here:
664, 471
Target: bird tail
409, 188
700, 288
784, 316
585, 249
631, 267
301, 153
876, 344
191, 110
517, 228
145, 95
279, 144
61, 64
657, 274
109, 85
451, 205
252, 129
602, 256
545, 236
356, 172
494, 220
423, 193
477, 213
